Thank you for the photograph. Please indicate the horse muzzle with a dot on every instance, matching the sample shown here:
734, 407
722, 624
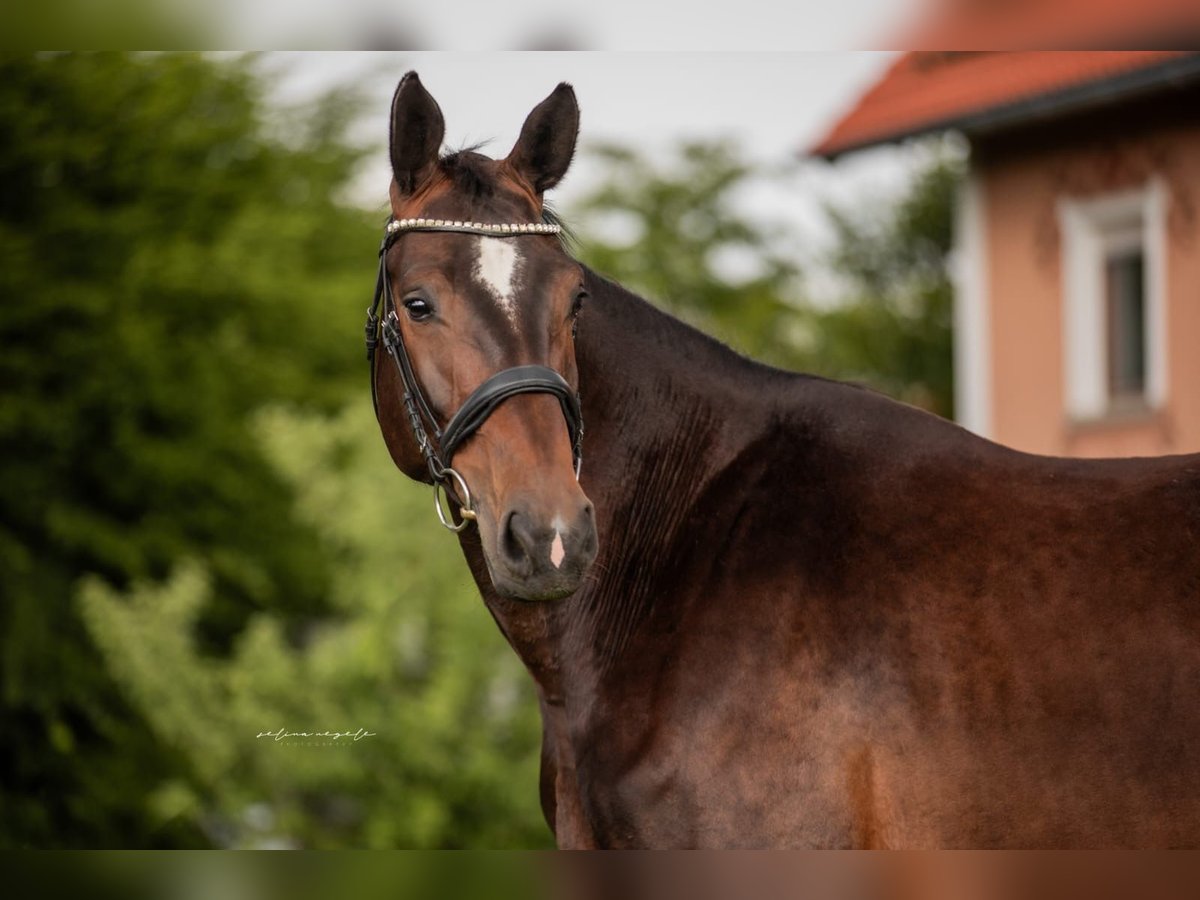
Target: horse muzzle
539, 557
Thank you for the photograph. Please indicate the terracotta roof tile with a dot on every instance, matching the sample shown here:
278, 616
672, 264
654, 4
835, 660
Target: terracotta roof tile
927, 91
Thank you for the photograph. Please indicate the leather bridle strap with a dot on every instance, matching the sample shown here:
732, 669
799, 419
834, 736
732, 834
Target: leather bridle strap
438, 450
508, 383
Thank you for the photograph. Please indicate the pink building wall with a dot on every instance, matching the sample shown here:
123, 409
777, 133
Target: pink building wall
1024, 289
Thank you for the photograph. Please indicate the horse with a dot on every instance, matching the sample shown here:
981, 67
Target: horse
762, 608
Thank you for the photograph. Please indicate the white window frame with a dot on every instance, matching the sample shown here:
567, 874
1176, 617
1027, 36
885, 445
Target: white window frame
1093, 229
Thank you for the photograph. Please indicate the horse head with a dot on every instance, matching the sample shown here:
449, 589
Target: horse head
480, 302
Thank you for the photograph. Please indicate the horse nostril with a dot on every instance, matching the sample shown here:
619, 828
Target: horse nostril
516, 543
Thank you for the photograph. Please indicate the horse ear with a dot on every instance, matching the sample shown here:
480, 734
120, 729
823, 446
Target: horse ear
547, 142
416, 133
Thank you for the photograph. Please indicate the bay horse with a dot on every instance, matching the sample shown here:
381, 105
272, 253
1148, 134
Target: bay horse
772, 610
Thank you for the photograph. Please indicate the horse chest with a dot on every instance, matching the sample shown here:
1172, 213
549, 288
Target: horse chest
779, 772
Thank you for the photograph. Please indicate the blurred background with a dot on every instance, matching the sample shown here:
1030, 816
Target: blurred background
203, 543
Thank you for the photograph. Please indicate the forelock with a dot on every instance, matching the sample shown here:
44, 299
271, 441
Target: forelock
470, 172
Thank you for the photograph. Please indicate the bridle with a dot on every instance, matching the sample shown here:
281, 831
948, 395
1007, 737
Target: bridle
438, 449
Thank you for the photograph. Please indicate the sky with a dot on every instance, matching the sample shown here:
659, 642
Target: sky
774, 105
524, 24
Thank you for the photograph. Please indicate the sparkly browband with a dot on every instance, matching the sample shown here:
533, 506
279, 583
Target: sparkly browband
395, 226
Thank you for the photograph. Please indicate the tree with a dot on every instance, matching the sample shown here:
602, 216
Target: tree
409, 655
170, 258
893, 327
888, 328
680, 224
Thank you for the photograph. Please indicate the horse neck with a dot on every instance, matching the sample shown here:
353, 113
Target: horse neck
666, 410
657, 398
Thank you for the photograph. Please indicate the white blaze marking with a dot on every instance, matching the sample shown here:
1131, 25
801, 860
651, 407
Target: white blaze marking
496, 269
556, 546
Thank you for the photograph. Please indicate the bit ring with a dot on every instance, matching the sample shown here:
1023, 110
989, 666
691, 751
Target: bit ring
466, 512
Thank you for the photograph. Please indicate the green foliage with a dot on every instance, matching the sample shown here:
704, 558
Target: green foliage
410, 655
168, 265
680, 221
893, 327
890, 327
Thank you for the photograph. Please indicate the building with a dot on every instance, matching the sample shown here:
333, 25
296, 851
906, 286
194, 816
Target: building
1077, 308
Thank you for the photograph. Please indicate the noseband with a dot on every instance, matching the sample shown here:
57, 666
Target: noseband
439, 448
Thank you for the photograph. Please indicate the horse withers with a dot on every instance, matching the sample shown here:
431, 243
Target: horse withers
771, 610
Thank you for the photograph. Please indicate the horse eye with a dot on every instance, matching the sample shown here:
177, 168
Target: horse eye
418, 308
578, 304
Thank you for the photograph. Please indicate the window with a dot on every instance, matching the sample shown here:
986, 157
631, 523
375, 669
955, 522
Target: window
1114, 311
1124, 288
